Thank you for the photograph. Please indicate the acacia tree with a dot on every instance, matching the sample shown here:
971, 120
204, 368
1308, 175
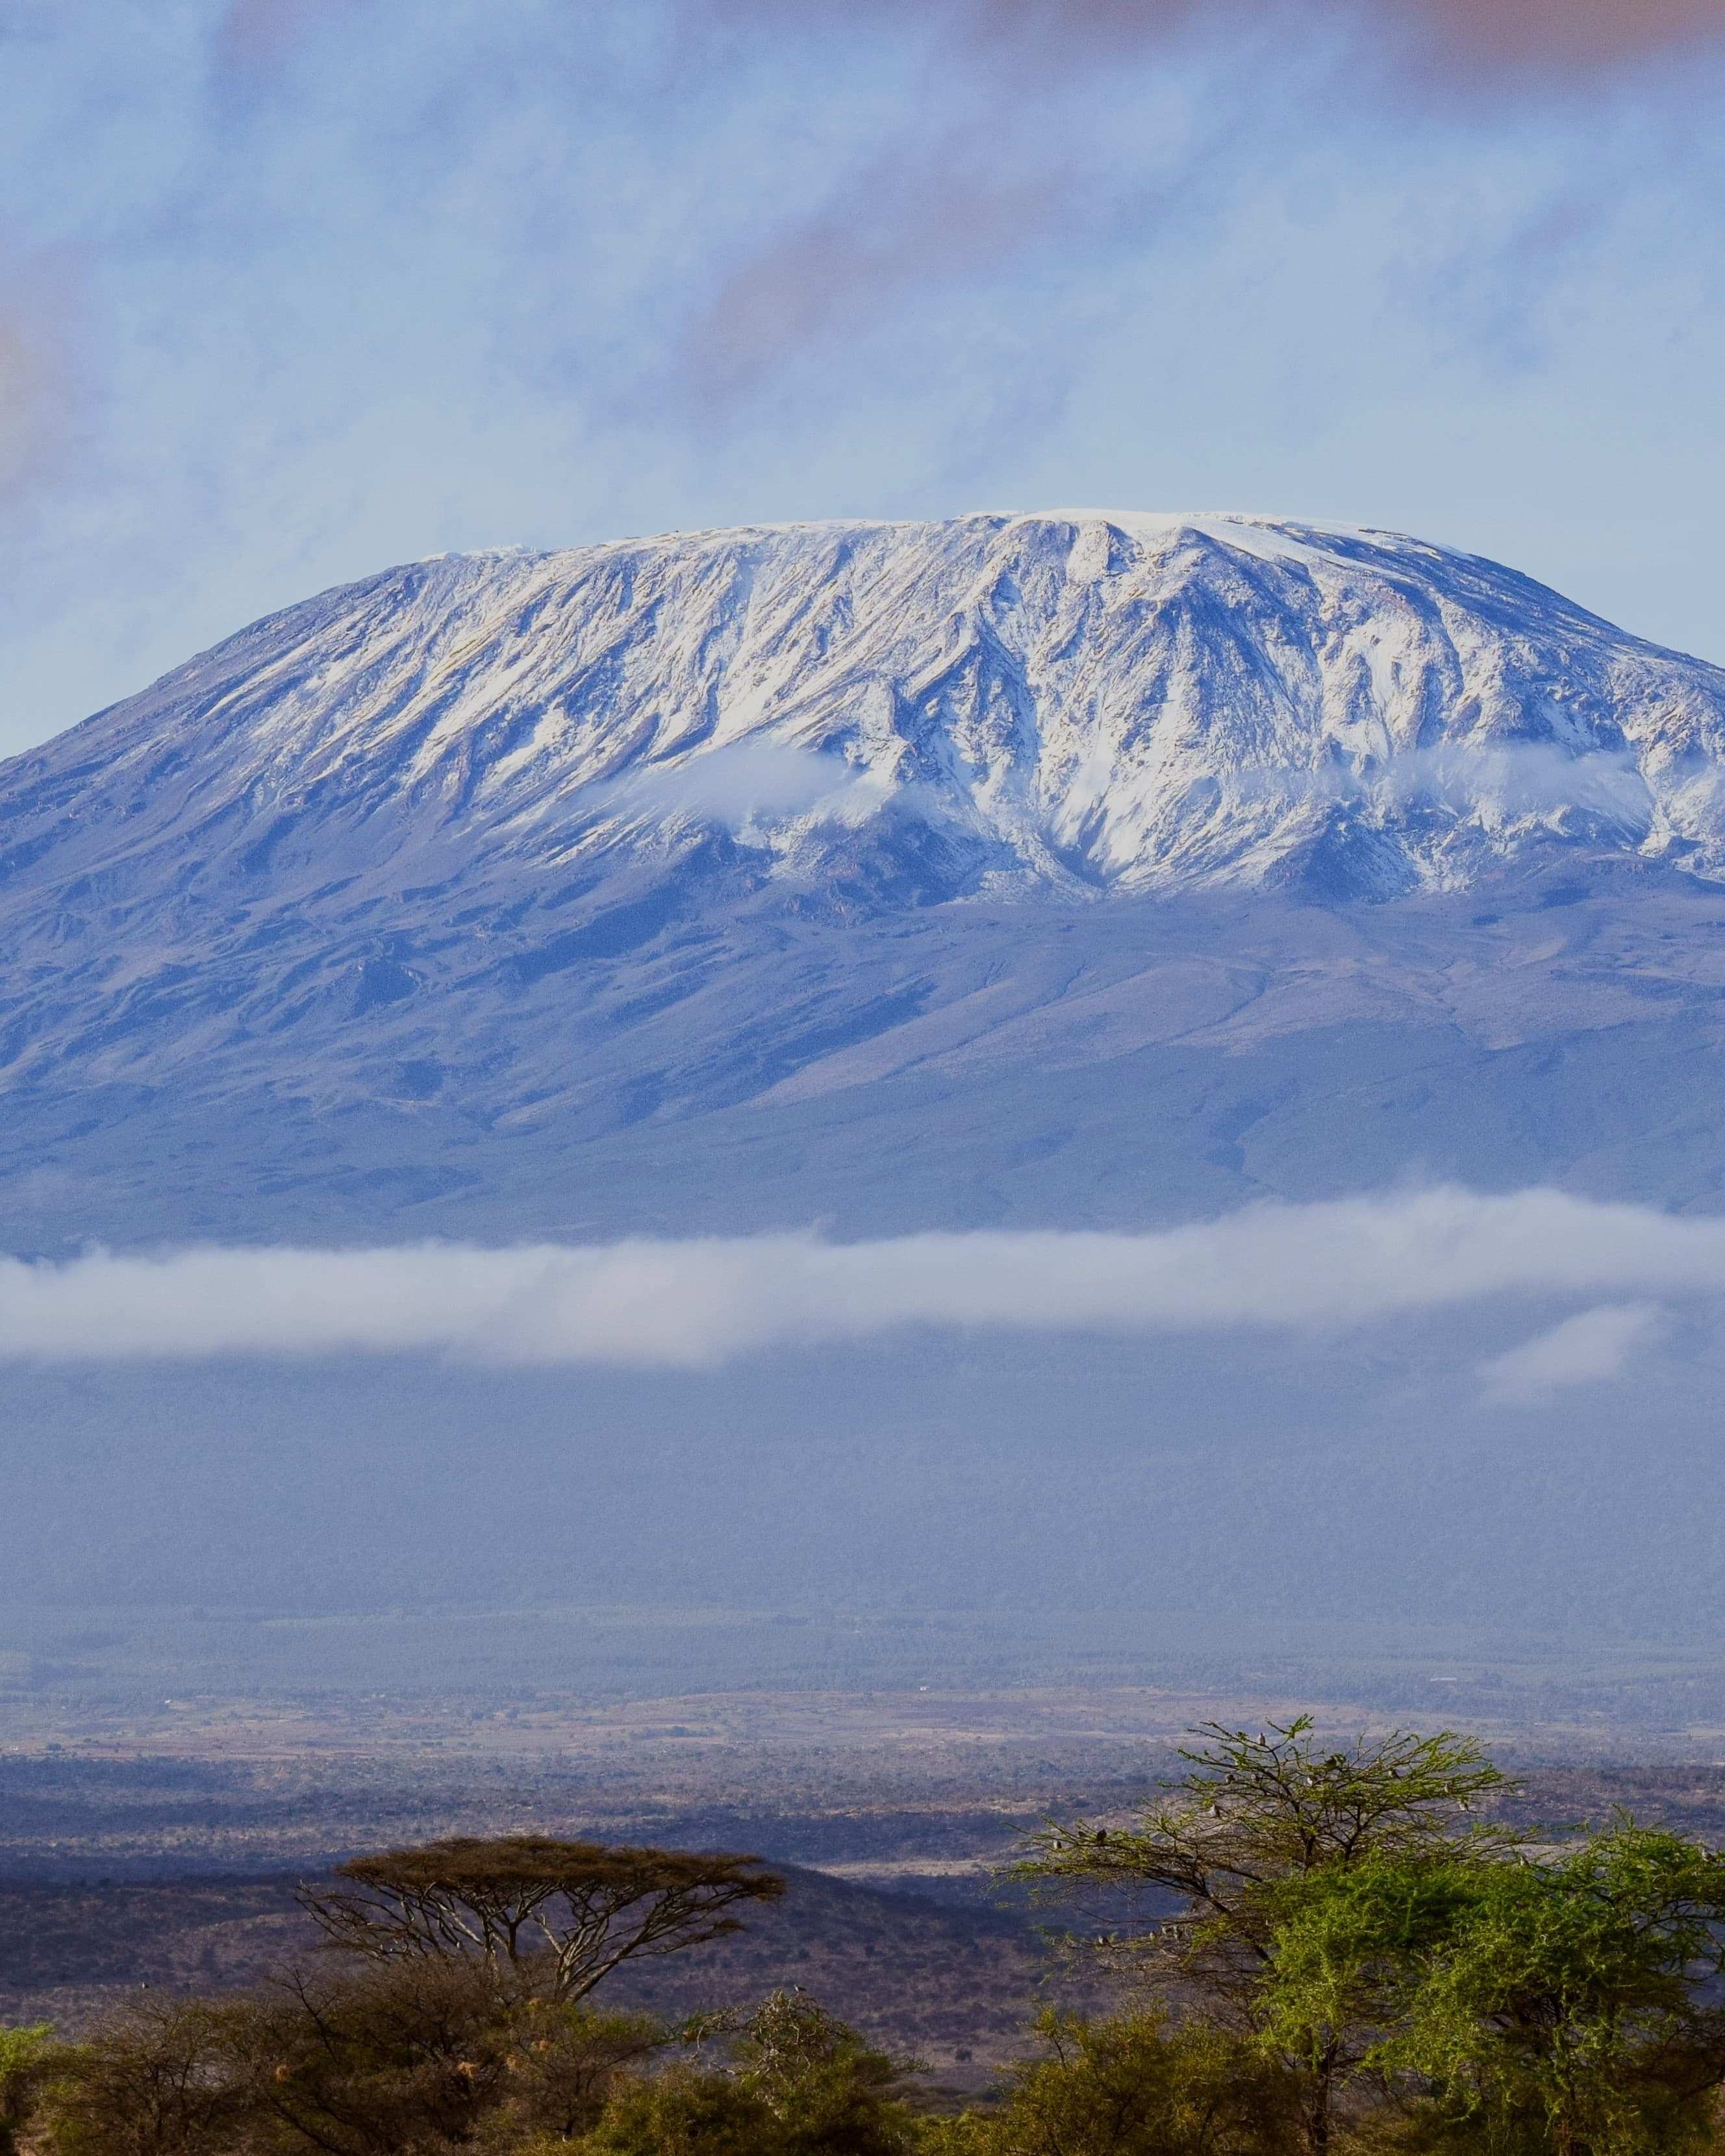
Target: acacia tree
1564, 2003
1253, 1812
575, 1909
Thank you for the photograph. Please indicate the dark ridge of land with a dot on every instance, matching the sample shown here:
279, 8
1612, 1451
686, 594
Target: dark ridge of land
954, 1985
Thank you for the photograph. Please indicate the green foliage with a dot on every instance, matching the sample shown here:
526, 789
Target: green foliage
1132, 2087
1343, 1944
832, 2094
1258, 1808
1255, 1813
422, 2054
26, 2054
1568, 1992
800, 2083
1554, 2003
685, 2112
1359, 1970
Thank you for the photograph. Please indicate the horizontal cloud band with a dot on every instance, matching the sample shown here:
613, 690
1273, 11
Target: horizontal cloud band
697, 1302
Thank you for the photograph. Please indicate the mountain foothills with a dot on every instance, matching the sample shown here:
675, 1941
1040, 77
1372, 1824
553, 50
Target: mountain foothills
1076, 869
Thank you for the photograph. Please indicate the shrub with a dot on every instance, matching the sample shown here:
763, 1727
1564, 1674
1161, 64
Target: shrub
155, 2080
686, 2112
1135, 2086
25, 2062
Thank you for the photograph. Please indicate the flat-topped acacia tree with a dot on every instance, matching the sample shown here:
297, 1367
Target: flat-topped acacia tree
571, 1909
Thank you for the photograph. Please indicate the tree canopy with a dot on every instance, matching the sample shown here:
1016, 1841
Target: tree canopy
1254, 1811
576, 1908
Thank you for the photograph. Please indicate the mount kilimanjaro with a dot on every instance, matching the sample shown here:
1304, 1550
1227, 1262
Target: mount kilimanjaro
1068, 869
1065, 871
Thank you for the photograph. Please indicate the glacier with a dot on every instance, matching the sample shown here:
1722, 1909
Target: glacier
1082, 869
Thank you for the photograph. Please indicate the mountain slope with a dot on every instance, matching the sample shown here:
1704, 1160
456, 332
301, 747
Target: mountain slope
699, 881
1036, 872
1089, 702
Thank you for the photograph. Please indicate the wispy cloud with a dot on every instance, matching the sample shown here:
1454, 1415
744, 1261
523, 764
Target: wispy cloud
36, 398
743, 784
1553, 37
1528, 35
1586, 1349
358, 280
1503, 780
920, 218
700, 1302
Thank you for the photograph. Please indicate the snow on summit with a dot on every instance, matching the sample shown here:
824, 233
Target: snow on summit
1075, 703
901, 874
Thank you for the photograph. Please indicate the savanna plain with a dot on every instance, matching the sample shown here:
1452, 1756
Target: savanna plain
1052, 1918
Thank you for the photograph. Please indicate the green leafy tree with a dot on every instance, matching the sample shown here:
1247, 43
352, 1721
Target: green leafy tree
1564, 2003
799, 2083
1345, 1947
684, 2112
1135, 2086
424, 2052
1253, 1812
420, 2054
155, 2080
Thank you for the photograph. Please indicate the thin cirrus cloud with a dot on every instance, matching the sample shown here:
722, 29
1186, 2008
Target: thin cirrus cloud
35, 395
922, 219
1544, 36
700, 1302
1554, 36
991, 163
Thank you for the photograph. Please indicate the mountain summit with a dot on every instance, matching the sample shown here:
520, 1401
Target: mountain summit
492, 884
1058, 871
1082, 704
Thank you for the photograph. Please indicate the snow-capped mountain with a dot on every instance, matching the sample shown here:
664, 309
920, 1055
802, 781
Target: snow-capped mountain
488, 880
1061, 870
1086, 703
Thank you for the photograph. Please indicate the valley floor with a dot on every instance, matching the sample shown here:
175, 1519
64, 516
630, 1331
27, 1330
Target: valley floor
158, 1845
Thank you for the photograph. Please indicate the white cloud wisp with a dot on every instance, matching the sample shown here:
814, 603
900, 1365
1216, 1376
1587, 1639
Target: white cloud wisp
700, 1302
1586, 1349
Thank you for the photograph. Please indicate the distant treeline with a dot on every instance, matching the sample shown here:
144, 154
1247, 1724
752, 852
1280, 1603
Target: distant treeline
1316, 1952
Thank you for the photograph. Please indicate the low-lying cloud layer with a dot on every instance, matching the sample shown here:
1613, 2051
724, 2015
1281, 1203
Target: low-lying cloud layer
700, 1302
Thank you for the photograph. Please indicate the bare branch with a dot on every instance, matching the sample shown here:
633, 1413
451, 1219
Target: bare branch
578, 1908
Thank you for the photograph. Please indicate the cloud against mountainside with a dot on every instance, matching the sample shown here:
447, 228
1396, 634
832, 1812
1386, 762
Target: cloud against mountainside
744, 782
700, 1302
1583, 1350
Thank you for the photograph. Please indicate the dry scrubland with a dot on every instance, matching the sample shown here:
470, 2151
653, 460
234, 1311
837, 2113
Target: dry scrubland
1383, 1944
159, 1844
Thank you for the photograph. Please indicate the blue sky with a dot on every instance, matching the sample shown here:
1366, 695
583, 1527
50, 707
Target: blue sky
293, 289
